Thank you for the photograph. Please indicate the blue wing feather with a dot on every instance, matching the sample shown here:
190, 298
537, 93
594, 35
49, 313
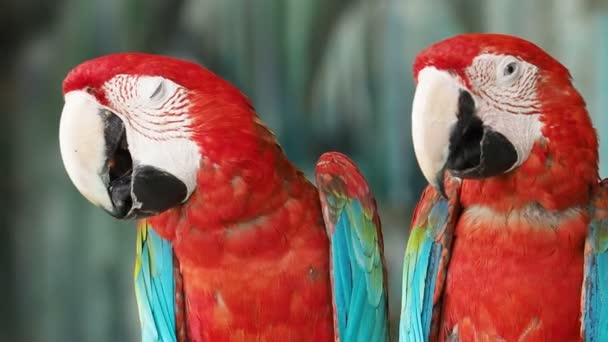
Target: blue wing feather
595, 290
358, 298
342, 273
154, 285
425, 263
358, 279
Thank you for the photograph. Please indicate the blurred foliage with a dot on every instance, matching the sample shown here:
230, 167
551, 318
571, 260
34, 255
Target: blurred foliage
324, 75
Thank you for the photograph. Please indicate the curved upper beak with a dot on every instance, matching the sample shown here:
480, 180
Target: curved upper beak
96, 156
83, 147
449, 135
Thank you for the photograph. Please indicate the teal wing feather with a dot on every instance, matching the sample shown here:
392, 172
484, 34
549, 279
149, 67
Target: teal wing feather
595, 285
155, 285
356, 248
425, 264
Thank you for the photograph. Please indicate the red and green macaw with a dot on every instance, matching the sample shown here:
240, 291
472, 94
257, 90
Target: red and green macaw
232, 239
509, 242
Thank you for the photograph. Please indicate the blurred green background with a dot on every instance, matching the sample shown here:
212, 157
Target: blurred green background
323, 74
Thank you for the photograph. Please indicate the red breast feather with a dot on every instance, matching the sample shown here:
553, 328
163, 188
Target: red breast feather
251, 241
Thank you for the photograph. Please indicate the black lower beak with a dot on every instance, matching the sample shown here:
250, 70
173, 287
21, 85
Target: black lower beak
139, 191
146, 192
476, 150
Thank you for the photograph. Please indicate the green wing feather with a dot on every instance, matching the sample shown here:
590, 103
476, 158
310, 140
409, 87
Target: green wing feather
425, 264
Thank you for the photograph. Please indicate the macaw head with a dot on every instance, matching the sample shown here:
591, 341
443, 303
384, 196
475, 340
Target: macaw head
501, 114
136, 128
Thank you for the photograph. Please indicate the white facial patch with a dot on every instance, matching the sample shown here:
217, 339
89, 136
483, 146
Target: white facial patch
506, 100
82, 145
155, 113
521, 130
433, 115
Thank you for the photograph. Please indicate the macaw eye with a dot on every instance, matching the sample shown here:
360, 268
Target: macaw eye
152, 88
508, 70
511, 68
158, 92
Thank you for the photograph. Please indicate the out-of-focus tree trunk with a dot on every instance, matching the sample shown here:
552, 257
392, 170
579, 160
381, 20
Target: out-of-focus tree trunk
8, 318
70, 264
18, 22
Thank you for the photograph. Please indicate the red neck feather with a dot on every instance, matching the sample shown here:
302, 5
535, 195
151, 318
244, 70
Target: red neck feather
244, 173
561, 171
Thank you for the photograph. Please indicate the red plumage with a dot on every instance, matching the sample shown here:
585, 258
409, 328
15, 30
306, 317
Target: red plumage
516, 268
251, 243
266, 249
254, 230
509, 277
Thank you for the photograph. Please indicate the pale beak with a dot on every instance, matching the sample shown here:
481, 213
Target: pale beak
449, 135
96, 156
83, 147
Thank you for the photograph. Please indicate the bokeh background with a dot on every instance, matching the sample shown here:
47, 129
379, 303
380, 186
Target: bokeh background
323, 74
